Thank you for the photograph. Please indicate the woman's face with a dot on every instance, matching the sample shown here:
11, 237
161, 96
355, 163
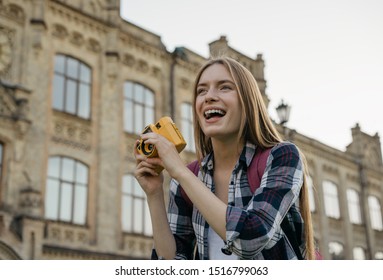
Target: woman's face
217, 104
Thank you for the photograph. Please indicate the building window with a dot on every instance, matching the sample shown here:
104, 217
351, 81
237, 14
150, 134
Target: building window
375, 212
187, 128
330, 192
354, 207
71, 86
358, 253
66, 190
379, 255
310, 185
336, 251
135, 211
138, 107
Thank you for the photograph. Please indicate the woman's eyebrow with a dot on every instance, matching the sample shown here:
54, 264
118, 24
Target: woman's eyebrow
218, 82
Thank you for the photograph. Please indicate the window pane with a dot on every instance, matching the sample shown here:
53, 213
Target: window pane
149, 115
126, 209
58, 92
81, 173
128, 90
359, 254
85, 74
52, 199
138, 216
66, 202
149, 98
138, 119
354, 206
128, 116
375, 213
67, 169
70, 97
379, 255
330, 192
336, 250
139, 93
54, 167
84, 101
72, 68
80, 204
60, 64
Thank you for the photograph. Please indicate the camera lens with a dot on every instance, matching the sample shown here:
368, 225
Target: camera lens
147, 149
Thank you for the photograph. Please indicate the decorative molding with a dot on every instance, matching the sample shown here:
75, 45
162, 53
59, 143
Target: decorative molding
330, 169
76, 38
62, 233
74, 134
60, 31
13, 12
93, 45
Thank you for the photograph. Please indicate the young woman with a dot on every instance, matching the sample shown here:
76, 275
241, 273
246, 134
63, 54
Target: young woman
227, 219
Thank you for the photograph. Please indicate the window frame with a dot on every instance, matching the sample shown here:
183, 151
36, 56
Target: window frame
59, 188
133, 198
376, 219
81, 82
331, 200
139, 98
354, 206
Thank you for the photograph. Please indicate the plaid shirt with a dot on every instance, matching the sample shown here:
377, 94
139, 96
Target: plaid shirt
253, 220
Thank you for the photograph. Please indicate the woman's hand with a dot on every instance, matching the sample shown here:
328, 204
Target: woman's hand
168, 156
149, 180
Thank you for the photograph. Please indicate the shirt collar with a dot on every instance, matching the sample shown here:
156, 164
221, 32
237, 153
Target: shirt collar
246, 157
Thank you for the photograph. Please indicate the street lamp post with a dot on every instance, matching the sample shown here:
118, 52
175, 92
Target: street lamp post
283, 111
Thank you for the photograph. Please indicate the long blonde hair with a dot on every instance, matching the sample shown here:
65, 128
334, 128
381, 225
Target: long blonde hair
256, 127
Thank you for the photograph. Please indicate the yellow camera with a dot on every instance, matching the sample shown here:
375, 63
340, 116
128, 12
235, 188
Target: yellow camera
165, 127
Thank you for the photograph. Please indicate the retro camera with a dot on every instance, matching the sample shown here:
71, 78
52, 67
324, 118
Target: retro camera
165, 127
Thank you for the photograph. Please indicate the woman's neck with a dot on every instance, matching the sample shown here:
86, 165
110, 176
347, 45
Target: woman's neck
226, 154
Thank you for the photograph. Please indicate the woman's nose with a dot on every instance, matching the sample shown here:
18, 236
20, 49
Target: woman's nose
211, 95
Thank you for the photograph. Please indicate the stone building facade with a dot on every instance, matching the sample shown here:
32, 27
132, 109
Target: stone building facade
78, 83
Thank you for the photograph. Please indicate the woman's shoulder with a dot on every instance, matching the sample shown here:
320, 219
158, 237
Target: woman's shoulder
285, 149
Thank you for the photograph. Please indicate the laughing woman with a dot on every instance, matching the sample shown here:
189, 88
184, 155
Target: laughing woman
226, 218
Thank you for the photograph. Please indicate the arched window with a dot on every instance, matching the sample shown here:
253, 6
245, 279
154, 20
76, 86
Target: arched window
379, 255
187, 128
354, 206
336, 251
66, 190
71, 86
359, 253
375, 212
138, 107
331, 201
135, 211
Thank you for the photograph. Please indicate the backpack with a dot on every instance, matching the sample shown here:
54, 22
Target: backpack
254, 174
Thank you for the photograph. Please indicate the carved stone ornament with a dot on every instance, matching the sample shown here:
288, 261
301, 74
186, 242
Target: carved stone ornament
60, 31
5, 52
77, 38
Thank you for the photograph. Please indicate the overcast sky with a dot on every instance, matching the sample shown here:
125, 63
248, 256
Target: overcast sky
324, 58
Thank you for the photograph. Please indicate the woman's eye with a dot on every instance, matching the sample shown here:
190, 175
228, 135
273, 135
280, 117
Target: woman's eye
225, 87
201, 91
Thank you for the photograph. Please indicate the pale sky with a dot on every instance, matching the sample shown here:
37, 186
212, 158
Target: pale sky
324, 58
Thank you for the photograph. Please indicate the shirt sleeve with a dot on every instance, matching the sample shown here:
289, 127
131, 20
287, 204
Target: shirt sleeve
249, 231
180, 220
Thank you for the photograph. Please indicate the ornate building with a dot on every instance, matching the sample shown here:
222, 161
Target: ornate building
78, 84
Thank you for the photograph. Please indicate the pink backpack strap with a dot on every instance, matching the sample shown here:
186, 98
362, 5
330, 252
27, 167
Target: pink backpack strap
257, 168
194, 167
